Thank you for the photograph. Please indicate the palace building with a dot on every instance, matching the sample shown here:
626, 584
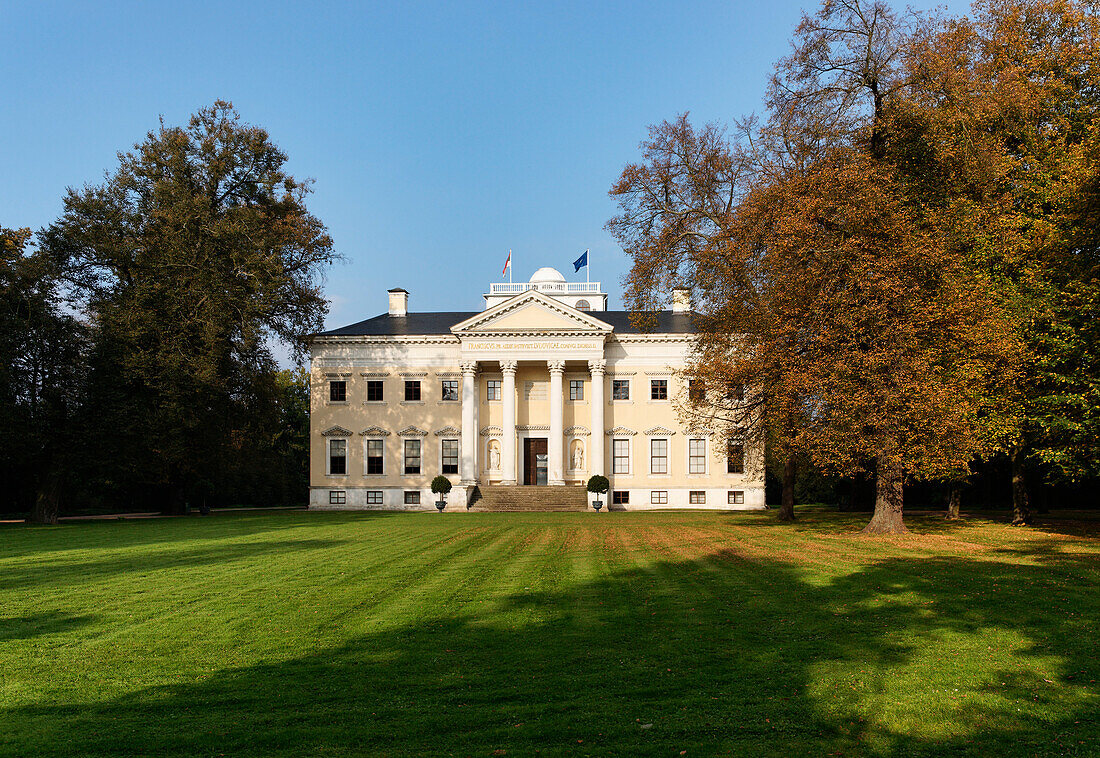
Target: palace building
544, 387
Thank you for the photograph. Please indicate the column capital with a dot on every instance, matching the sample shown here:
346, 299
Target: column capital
597, 367
509, 367
556, 367
468, 367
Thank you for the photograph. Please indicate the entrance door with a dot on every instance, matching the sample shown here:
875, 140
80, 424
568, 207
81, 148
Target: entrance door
535, 460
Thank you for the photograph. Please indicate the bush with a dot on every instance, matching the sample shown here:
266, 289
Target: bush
441, 485
599, 484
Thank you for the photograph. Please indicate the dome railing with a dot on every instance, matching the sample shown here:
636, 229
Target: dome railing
572, 288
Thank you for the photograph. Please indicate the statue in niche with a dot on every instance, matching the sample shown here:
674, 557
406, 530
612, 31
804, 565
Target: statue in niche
577, 456
494, 455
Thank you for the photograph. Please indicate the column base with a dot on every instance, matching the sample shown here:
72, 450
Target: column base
467, 482
508, 482
556, 482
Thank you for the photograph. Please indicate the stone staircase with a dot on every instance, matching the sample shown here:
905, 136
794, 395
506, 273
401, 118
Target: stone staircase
498, 498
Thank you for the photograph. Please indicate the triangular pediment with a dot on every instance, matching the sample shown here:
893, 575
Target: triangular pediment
531, 311
336, 431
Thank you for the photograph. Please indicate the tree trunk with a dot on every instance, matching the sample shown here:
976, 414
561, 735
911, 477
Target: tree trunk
953, 499
47, 502
1021, 508
786, 506
889, 499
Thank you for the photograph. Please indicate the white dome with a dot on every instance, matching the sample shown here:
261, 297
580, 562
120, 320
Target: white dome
547, 275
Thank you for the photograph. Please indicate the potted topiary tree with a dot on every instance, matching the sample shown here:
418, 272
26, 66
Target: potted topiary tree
441, 485
598, 485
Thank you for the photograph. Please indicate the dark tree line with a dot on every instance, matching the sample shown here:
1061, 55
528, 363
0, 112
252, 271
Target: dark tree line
137, 334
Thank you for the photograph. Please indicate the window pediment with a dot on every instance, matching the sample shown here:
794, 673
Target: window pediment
374, 431
659, 431
412, 431
447, 431
336, 431
621, 431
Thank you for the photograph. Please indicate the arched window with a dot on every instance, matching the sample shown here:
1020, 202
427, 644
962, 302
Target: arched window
583, 305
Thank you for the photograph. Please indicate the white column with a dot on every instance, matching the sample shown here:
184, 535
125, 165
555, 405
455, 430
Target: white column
508, 441
557, 427
469, 424
597, 442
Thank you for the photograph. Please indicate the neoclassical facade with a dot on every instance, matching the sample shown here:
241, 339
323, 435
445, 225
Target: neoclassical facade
545, 386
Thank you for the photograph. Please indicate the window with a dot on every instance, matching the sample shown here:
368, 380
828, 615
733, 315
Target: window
620, 389
583, 305
620, 497
338, 456
338, 391
374, 390
412, 497
620, 454
736, 497
658, 389
735, 458
412, 390
735, 391
576, 389
450, 390
697, 390
492, 389
658, 456
697, 497
412, 456
374, 497
658, 497
697, 456
374, 457
450, 456
337, 497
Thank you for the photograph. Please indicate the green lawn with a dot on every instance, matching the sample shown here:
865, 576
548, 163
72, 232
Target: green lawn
294, 633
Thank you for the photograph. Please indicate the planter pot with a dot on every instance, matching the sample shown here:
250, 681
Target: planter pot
440, 505
597, 505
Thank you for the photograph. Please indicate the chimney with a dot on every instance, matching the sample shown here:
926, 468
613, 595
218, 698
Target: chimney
399, 302
681, 300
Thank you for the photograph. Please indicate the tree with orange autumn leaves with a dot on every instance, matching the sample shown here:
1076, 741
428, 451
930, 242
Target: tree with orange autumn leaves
871, 259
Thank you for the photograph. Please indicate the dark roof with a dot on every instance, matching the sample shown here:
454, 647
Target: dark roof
441, 323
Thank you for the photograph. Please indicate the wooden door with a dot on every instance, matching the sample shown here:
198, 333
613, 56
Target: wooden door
535, 460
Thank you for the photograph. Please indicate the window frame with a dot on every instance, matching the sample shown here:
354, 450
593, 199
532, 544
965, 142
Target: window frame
658, 390
691, 462
658, 497
411, 384
443, 455
329, 457
625, 384
405, 456
337, 497
449, 391
615, 458
490, 386
653, 458
332, 388
697, 497
411, 497
374, 497
620, 497
739, 468
735, 497
576, 390
367, 456
380, 386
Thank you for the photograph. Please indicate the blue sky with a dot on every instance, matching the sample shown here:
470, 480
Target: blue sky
439, 134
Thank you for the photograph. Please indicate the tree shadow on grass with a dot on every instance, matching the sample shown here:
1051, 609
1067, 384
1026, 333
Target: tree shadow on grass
720, 655
41, 624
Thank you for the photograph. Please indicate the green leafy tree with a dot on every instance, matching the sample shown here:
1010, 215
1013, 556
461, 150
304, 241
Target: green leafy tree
193, 256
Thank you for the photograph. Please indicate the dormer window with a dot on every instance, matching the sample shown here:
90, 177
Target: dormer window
583, 305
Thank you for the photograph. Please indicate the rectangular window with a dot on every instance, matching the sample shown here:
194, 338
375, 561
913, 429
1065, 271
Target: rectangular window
735, 458
576, 389
374, 456
658, 497
412, 390
658, 456
338, 456
735, 391
736, 497
620, 455
412, 456
492, 389
620, 389
697, 390
412, 497
658, 389
338, 391
450, 456
697, 497
697, 456
620, 497
374, 497
450, 390
337, 497
374, 390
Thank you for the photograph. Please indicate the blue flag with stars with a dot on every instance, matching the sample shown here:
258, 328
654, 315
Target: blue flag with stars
580, 262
